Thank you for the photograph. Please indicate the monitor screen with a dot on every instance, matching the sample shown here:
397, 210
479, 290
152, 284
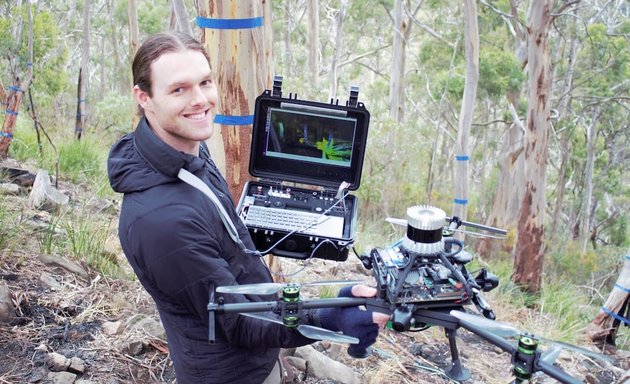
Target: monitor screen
310, 137
308, 142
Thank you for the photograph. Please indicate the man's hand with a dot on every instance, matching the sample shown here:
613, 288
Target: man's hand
380, 319
355, 321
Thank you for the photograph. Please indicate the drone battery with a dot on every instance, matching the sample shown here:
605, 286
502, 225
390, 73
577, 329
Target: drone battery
306, 157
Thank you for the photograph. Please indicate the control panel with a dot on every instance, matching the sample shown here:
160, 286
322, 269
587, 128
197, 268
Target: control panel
297, 199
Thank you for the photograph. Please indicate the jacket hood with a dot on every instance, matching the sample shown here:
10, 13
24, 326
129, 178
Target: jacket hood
141, 160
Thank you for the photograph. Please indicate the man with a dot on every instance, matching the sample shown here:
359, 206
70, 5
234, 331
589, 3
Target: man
173, 235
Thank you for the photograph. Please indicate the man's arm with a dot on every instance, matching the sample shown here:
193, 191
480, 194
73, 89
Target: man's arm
184, 256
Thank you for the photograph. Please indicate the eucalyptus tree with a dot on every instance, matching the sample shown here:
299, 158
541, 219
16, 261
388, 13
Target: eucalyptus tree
24, 46
242, 64
83, 86
461, 174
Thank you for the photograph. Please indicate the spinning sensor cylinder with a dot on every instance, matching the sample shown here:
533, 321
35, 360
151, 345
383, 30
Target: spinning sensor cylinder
424, 230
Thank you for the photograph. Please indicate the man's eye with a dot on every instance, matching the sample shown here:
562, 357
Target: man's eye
206, 83
178, 90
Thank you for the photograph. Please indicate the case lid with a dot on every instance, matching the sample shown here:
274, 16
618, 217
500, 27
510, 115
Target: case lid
308, 142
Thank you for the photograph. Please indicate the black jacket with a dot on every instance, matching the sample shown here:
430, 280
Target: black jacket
175, 241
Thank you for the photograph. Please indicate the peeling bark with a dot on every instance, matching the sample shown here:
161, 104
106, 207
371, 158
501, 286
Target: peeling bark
529, 251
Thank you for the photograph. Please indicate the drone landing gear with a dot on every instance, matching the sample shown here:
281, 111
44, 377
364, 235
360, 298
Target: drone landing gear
450, 324
456, 371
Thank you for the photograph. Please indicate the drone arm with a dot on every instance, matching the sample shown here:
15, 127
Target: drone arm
538, 365
555, 372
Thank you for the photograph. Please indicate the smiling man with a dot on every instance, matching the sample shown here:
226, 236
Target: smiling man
173, 235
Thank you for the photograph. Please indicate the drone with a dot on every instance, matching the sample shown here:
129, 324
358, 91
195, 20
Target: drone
421, 281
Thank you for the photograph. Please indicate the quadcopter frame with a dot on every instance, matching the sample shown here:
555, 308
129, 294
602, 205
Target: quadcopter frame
420, 283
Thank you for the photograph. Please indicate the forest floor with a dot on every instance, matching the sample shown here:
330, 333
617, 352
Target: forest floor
90, 317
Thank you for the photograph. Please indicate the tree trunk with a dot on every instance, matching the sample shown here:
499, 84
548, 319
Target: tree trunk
134, 32
587, 194
134, 43
17, 89
338, 40
14, 99
240, 62
83, 72
180, 17
288, 51
603, 329
396, 88
123, 80
509, 192
466, 113
78, 124
565, 135
528, 260
313, 42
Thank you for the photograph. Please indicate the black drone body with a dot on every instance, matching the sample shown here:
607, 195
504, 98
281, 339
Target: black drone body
421, 281
426, 270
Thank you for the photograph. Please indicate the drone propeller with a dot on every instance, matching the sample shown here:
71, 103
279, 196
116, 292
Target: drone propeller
395, 221
403, 223
309, 331
271, 288
507, 330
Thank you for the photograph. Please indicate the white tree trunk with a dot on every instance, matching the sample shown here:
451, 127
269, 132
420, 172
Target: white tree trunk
471, 42
396, 89
602, 329
313, 42
587, 194
180, 16
333, 77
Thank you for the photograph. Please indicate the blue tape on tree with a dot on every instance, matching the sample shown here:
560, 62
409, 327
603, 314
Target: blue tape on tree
10, 112
234, 120
616, 316
205, 22
6, 134
462, 158
622, 288
14, 88
460, 201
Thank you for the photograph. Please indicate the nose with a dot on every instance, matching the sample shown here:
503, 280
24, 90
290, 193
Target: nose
198, 96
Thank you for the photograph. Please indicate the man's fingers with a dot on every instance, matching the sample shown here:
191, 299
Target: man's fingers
380, 319
363, 291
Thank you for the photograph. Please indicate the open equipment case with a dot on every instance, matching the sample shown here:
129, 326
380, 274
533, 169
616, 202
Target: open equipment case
306, 156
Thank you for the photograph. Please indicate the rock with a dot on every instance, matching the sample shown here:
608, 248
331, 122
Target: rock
44, 196
134, 348
296, 362
9, 189
7, 311
48, 280
38, 375
76, 366
111, 327
66, 264
324, 367
61, 377
147, 326
57, 362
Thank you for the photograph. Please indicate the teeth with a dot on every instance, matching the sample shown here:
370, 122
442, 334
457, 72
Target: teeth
197, 116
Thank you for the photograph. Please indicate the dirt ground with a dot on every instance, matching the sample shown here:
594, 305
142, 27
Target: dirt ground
62, 312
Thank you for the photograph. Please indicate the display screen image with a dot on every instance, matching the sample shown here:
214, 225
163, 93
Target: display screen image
310, 136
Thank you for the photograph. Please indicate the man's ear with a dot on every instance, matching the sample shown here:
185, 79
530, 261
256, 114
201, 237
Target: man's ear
142, 97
